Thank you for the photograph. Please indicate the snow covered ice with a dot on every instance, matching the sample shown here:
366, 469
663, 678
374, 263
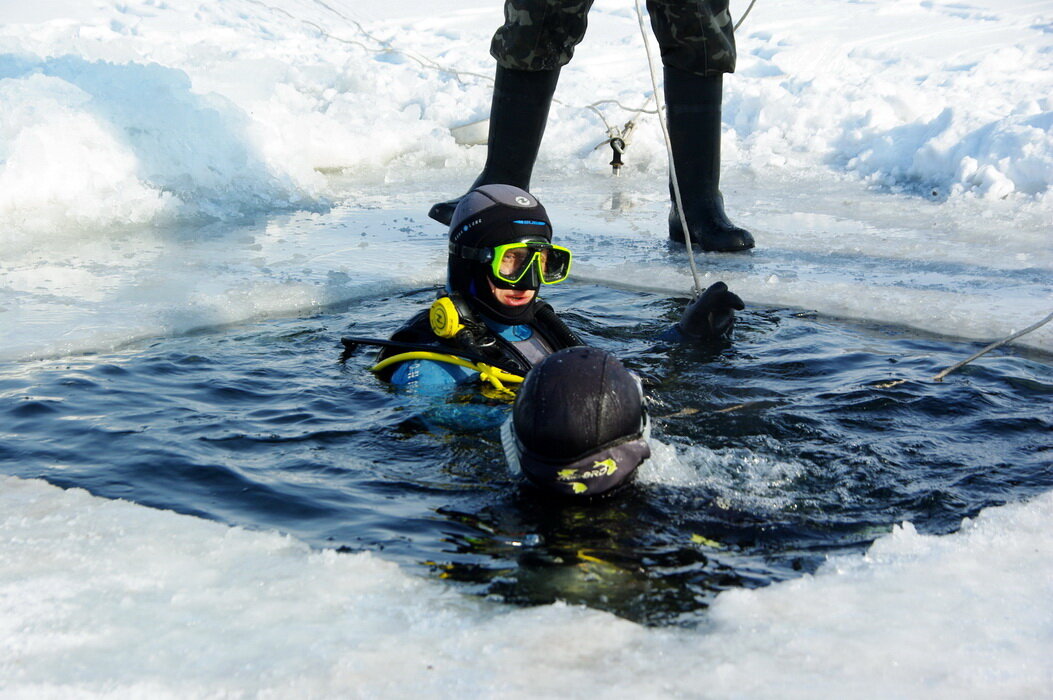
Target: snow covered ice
166, 165
107, 597
926, 160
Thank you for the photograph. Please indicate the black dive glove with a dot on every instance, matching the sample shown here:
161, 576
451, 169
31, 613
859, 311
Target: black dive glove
710, 315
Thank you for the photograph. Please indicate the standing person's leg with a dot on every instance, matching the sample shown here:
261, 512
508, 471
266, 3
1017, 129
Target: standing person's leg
536, 40
698, 47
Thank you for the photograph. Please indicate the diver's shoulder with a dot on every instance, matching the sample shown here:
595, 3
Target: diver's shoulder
416, 330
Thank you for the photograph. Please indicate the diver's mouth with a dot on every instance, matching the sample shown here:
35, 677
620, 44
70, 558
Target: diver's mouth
516, 298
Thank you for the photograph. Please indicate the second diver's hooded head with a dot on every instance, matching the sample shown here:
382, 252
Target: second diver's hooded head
491, 217
578, 426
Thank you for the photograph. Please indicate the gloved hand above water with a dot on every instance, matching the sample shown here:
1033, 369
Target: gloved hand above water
710, 315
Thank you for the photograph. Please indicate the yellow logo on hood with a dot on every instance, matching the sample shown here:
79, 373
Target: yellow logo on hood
605, 468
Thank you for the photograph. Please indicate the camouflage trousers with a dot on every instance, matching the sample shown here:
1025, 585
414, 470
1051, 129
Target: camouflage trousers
694, 35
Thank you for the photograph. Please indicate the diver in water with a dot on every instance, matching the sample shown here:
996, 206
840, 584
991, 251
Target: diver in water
490, 315
489, 325
500, 253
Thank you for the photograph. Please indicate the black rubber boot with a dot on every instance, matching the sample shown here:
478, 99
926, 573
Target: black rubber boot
693, 108
517, 122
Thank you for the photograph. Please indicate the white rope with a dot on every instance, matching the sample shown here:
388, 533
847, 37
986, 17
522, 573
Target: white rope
669, 151
939, 377
1034, 327
744, 15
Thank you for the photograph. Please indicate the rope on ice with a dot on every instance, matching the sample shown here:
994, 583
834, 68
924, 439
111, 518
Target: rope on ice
669, 151
1034, 327
997, 344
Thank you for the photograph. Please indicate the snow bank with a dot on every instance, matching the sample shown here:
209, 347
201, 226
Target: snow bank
158, 112
93, 144
113, 598
146, 111
953, 616
937, 99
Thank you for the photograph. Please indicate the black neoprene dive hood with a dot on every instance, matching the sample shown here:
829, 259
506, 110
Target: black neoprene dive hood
488, 216
578, 426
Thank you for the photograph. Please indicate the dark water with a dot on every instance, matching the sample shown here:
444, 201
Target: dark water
787, 449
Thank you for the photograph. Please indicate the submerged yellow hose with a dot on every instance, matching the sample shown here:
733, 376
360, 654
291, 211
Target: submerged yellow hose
496, 377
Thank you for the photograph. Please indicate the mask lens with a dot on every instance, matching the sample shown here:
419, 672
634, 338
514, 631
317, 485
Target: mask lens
514, 262
555, 264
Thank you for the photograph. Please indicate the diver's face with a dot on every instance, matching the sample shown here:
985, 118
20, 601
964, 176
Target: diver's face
512, 297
